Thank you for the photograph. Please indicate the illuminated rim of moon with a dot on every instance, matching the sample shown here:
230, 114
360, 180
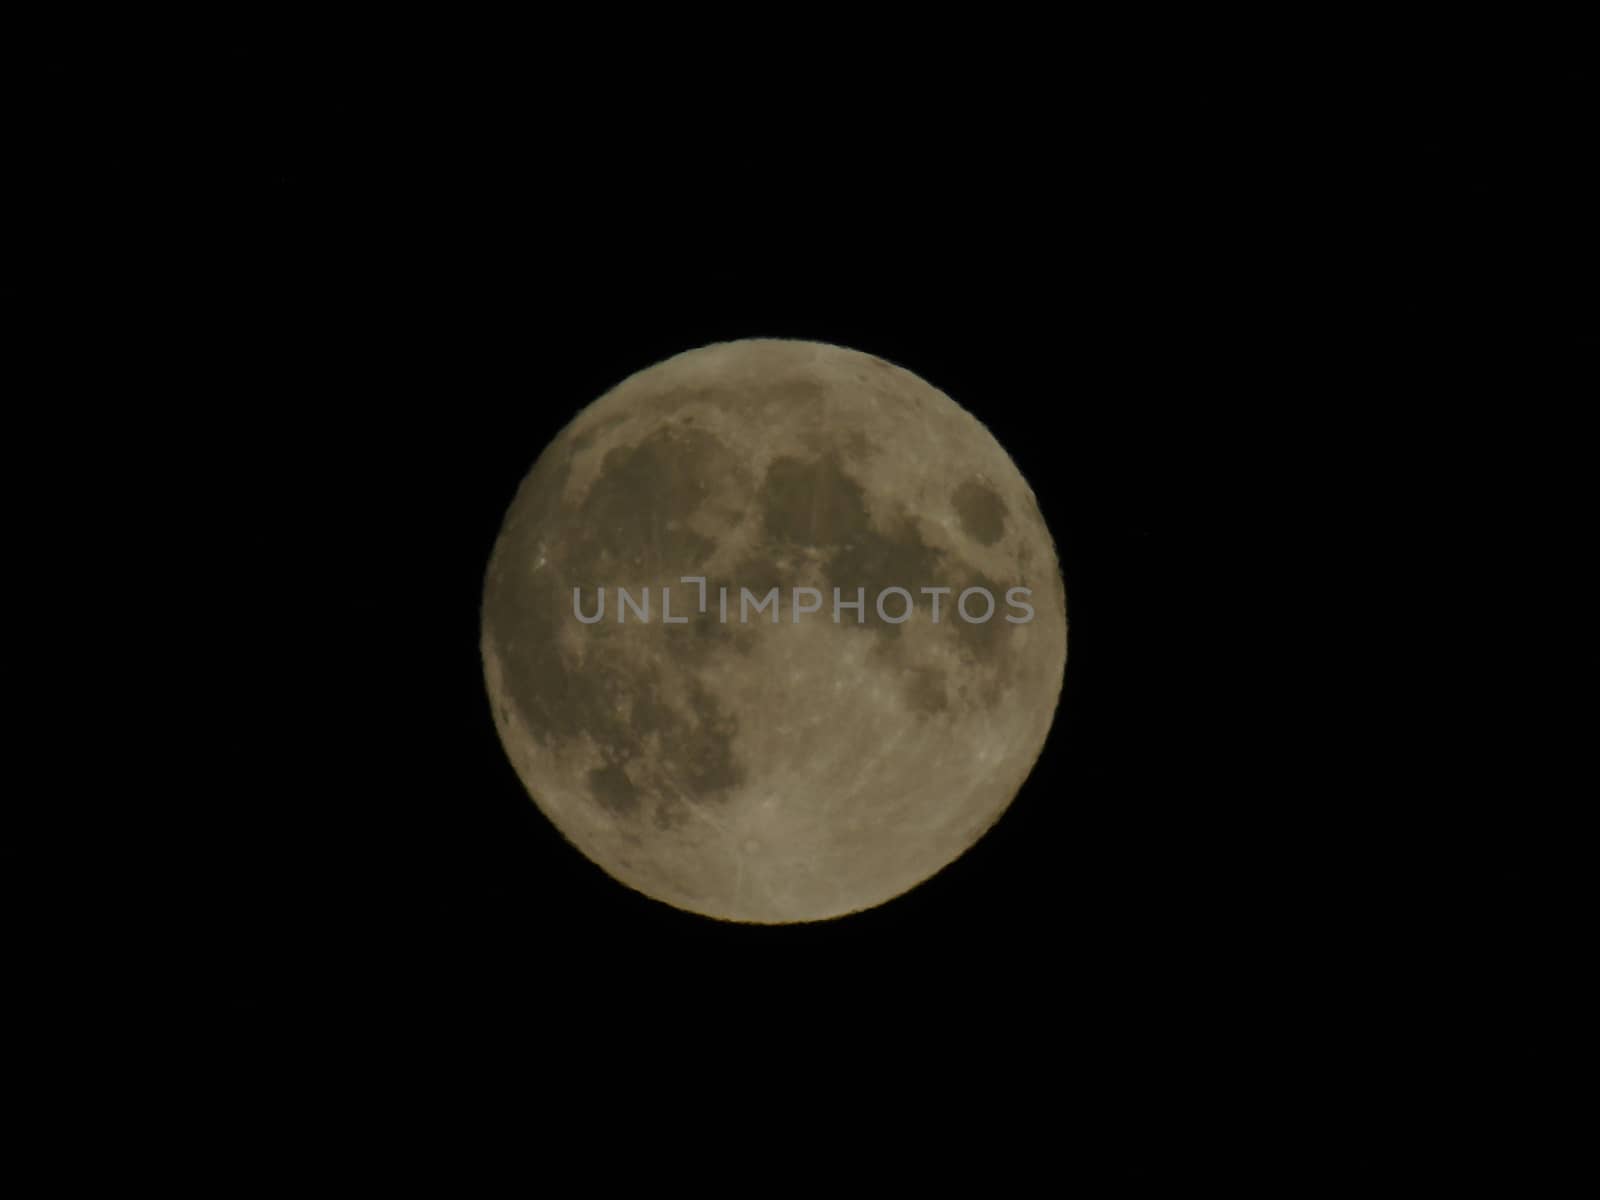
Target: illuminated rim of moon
762, 770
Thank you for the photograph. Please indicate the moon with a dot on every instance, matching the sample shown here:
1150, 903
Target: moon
766, 770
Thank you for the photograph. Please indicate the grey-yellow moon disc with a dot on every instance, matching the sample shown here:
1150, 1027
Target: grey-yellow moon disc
762, 771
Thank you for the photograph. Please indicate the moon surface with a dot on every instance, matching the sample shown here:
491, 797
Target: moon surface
750, 770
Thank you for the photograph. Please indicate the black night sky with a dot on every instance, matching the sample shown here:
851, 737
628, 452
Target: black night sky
1205, 343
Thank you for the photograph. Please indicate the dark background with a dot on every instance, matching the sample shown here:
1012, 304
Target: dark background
1217, 323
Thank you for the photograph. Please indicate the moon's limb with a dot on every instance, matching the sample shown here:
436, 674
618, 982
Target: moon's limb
761, 772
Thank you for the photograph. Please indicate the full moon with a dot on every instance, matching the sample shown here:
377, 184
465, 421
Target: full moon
830, 639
